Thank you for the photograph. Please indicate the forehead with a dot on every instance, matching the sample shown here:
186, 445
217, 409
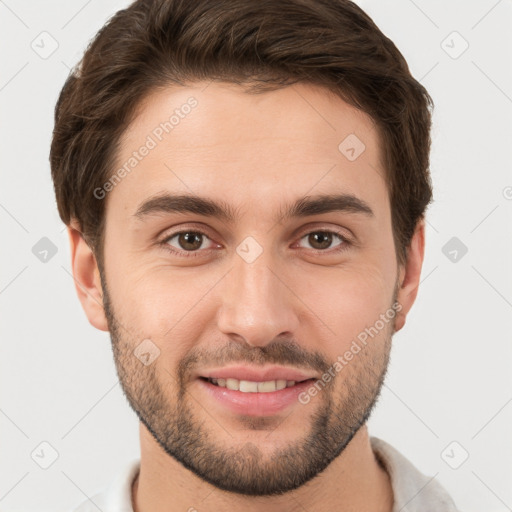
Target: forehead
243, 147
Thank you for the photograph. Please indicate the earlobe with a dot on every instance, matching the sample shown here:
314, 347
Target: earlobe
410, 274
87, 278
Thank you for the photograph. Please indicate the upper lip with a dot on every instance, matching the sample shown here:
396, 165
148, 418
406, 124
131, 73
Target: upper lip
257, 374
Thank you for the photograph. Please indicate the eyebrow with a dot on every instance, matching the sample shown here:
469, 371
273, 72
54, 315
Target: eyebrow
303, 207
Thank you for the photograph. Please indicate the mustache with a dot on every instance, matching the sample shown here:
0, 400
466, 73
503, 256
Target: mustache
278, 352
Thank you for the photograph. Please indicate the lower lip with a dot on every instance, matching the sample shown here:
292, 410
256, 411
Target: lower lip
256, 404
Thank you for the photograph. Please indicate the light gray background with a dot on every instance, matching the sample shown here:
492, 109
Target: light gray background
450, 376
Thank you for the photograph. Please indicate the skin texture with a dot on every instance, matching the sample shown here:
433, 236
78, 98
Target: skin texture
294, 305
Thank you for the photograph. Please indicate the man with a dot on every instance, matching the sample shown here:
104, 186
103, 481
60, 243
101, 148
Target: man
245, 184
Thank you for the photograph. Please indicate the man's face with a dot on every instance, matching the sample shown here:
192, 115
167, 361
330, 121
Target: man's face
260, 289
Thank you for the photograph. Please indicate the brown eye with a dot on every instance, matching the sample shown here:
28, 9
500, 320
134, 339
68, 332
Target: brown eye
190, 241
322, 240
187, 240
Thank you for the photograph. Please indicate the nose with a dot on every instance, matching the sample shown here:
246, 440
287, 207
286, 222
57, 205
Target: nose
257, 302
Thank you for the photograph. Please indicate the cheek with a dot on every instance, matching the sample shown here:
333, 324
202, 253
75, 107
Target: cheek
347, 301
160, 304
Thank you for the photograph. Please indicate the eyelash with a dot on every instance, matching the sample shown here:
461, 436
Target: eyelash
193, 254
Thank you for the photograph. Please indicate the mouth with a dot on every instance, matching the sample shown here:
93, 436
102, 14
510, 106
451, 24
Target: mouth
247, 386
253, 398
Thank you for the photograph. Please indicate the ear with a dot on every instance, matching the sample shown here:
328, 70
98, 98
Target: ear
87, 278
409, 274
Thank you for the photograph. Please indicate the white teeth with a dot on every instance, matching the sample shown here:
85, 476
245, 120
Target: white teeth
265, 387
280, 384
247, 386
232, 384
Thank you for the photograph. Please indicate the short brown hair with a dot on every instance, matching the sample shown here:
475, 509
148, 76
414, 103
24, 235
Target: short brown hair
262, 45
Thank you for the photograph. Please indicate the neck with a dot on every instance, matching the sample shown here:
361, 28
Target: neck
353, 481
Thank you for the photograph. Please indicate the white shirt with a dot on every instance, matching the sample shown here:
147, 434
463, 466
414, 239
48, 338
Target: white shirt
412, 490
